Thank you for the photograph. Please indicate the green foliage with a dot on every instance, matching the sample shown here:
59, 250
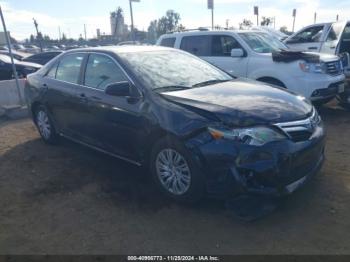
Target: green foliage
165, 24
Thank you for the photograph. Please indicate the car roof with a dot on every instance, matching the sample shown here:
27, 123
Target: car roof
207, 32
121, 49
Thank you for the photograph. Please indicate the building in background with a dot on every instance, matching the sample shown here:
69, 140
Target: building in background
118, 27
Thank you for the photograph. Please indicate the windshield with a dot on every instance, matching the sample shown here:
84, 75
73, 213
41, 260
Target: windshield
160, 69
262, 42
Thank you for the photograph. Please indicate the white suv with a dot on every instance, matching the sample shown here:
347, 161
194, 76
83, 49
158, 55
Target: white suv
249, 54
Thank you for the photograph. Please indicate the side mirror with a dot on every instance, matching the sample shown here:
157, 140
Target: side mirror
118, 89
237, 52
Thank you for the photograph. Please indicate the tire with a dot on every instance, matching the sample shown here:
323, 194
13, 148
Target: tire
344, 100
188, 186
45, 126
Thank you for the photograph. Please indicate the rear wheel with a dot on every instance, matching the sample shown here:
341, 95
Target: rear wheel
45, 126
175, 171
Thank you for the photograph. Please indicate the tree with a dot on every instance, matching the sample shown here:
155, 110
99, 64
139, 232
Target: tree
266, 21
64, 37
245, 24
32, 39
284, 29
152, 32
165, 24
118, 17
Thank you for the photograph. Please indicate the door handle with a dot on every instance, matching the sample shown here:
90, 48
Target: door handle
83, 98
312, 48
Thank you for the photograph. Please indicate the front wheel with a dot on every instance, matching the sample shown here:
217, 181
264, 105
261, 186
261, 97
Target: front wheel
175, 172
45, 126
344, 99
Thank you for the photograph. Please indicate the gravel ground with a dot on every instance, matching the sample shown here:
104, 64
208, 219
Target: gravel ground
67, 199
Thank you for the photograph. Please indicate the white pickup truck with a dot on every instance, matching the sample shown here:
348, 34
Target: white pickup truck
329, 38
250, 54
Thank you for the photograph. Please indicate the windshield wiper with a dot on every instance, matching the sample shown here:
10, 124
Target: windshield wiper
210, 82
171, 88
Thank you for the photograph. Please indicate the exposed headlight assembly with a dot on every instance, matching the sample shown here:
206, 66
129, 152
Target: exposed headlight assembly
319, 68
255, 136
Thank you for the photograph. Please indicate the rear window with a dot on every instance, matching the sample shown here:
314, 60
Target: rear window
197, 45
168, 42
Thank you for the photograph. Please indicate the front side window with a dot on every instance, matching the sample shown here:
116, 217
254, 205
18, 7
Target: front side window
222, 45
309, 35
69, 68
262, 43
197, 45
101, 71
168, 42
158, 69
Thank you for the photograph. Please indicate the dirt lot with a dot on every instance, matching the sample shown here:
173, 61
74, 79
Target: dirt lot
70, 200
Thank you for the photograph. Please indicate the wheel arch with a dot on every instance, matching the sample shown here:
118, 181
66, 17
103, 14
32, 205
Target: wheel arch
271, 80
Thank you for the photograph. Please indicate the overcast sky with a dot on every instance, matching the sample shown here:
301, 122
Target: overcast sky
71, 15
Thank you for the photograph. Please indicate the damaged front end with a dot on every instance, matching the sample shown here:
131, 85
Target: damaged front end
275, 163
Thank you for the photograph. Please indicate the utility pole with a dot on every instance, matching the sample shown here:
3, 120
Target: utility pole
37, 35
211, 7
337, 18
256, 12
132, 19
85, 31
294, 15
8, 41
227, 21
315, 17
59, 34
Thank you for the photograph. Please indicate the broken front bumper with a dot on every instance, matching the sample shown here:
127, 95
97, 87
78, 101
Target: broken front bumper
275, 169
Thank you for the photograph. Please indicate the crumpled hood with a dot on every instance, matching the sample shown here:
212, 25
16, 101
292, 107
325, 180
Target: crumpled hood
243, 103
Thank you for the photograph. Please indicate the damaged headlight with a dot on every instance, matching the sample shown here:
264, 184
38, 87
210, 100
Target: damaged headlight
319, 68
255, 136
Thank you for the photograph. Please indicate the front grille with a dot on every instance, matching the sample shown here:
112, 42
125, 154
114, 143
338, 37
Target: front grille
334, 68
302, 130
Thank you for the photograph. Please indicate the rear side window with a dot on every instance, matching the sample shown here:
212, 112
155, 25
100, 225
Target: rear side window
101, 71
69, 68
197, 45
168, 42
222, 45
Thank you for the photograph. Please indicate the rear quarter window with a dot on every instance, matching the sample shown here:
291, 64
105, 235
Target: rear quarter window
168, 42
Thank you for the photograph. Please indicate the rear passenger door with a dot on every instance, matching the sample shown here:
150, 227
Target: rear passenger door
60, 83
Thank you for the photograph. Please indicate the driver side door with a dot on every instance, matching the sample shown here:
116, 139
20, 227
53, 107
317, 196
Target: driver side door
110, 123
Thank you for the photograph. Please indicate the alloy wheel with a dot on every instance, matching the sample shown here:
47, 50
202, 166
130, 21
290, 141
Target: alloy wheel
43, 123
173, 171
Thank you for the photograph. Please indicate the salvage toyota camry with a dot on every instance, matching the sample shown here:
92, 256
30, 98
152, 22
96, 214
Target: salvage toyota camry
198, 129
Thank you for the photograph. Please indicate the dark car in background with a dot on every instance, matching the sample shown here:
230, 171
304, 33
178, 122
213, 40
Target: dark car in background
42, 58
198, 129
22, 68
